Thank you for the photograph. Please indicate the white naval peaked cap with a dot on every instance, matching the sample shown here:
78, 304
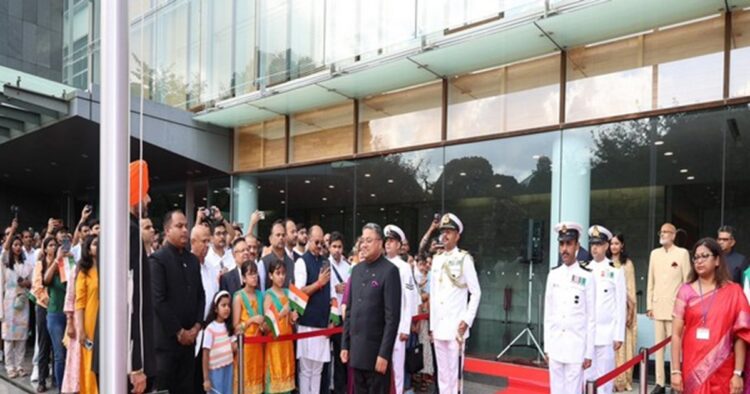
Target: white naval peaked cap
451, 221
599, 234
567, 231
395, 232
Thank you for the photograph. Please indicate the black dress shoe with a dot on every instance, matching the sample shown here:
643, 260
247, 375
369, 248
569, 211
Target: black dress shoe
41, 388
658, 390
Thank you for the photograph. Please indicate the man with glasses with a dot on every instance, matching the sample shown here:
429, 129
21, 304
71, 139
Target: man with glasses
736, 263
668, 266
312, 275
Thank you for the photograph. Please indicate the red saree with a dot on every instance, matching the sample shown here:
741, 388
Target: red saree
707, 365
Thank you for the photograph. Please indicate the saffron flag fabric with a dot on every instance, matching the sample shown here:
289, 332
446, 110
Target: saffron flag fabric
335, 312
297, 299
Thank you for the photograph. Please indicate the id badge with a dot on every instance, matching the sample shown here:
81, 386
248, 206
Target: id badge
702, 334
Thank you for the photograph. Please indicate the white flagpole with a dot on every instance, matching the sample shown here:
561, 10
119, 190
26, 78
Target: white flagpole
114, 156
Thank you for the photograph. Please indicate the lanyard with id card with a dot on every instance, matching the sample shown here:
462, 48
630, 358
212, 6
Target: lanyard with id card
703, 333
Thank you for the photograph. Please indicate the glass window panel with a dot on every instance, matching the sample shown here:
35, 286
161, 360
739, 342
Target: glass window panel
322, 133
496, 188
274, 41
498, 100
271, 200
405, 118
141, 58
217, 50
342, 19
171, 70
739, 74
668, 67
307, 43
244, 47
260, 145
737, 187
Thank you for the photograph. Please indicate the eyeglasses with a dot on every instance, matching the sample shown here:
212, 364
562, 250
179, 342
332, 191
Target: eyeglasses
703, 256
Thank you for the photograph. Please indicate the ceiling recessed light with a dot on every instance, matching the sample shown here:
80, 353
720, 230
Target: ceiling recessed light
324, 198
180, 195
281, 191
204, 199
658, 143
341, 211
497, 185
85, 156
390, 181
283, 202
53, 164
462, 174
684, 171
307, 181
27, 169
216, 192
536, 157
690, 178
331, 187
382, 209
372, 194
668, 153
176, 205
258, 187
367, 175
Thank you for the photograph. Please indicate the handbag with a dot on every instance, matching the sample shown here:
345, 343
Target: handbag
414, 359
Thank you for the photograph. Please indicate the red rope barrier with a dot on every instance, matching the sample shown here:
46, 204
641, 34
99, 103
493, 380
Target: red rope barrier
327, 332
630, 364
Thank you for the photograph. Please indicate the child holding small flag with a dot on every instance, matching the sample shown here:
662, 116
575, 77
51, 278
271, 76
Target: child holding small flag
219, 347
279, 319
248, 319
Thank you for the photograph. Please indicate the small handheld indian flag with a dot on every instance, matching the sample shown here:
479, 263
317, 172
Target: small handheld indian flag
272, 320
297, 299
335, 312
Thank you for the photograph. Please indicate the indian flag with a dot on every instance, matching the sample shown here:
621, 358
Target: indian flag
335, 311
272, 320
297, 299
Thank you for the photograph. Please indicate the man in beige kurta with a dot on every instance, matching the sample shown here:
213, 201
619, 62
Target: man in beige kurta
668, 268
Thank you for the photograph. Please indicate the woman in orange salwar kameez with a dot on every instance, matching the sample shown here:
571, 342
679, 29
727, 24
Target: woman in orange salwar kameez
710, 328
279, 355
247, 315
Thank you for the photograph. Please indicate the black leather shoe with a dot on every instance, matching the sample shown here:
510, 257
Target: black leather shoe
41, 388
658, 390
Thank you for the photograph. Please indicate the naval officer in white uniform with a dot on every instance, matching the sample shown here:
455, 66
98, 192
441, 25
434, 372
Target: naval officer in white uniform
394, 238
611, 307
454, 280
569, 316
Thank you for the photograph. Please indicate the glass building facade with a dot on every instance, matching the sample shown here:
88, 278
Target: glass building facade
646, 126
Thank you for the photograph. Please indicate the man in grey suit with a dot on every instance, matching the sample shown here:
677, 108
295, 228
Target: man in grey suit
374, 305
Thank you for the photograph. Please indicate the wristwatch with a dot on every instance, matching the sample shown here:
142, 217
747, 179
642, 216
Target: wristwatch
739, 372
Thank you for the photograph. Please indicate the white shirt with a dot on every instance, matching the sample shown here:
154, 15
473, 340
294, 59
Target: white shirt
343, 268
210, 280
408, 294
611, 302
569, 314
315, 348
448, 306
261, 275
30, 255
218, 262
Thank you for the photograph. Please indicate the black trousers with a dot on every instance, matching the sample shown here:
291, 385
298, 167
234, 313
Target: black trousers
176, 370
371, 382
340, 371
44, 342
198, 380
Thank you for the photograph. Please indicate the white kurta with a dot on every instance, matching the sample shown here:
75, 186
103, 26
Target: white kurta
217, 262
315, 348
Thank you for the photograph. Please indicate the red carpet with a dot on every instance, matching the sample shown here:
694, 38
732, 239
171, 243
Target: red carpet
521, 379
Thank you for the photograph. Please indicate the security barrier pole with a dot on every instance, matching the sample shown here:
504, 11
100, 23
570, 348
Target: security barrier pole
643, 371
591, 387
241, 363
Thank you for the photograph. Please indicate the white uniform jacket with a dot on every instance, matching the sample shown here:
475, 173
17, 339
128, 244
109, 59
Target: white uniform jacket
454, 278
611, 302
569, 314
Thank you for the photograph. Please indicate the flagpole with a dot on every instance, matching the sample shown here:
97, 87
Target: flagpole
113, 180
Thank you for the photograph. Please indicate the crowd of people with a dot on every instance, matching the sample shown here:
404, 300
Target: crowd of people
196, 291
698, 297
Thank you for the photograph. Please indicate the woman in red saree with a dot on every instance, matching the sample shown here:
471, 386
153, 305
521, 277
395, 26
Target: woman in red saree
711, 324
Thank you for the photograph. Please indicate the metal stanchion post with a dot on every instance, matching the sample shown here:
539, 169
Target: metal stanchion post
591, 387
241, 363
643, 373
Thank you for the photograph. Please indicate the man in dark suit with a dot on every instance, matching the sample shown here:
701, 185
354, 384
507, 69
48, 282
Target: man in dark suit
232, 280
179, 305
374, 305
736, 262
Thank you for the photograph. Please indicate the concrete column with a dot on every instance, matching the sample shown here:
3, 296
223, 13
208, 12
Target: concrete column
244, 199
571, 186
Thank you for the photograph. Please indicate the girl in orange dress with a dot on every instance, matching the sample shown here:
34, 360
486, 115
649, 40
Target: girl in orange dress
87, 307
247, 316
279, 355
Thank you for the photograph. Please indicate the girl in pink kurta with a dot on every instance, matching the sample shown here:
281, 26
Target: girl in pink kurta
73, 357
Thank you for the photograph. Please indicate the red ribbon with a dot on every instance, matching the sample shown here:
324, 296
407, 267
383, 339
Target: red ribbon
323, 332
630, 364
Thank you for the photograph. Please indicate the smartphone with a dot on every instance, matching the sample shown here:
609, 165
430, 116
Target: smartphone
262, 215
88, 344
436, 217
65, 245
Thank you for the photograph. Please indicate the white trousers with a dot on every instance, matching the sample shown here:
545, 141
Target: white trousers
603, 362
14, 352
309, 376
565, 378
446, 354
398, 358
